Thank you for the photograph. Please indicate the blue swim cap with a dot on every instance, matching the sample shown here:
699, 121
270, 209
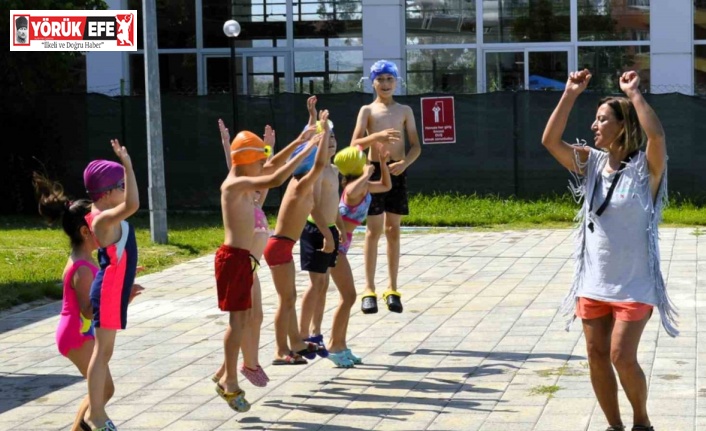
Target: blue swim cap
383, 66
306, 164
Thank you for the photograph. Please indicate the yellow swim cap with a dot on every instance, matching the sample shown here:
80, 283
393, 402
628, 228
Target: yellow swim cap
248, 148
319, 127
350, 161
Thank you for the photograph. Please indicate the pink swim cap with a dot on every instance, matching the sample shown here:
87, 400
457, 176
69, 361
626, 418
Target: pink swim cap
101, 176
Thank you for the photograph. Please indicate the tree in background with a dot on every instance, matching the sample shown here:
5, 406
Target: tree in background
24, 78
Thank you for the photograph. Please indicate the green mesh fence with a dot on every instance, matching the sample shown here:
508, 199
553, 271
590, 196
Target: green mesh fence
498, 149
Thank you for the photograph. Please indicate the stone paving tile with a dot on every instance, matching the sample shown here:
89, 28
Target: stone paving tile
480, 332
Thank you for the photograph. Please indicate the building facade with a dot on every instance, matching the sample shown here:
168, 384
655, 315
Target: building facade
443, 46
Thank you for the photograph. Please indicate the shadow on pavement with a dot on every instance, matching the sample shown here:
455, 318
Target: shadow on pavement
19, 389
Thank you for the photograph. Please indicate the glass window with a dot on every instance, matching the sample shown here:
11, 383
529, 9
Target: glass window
614, 19
321, 72
607, 63
262, 23
547, 70
504, 71
177, 73
700, 19
328, 22
440, 21
218, 75
176, 23
700, 69
526, 21
441, 71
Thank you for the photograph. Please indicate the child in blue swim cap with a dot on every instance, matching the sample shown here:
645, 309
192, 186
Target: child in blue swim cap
386, 122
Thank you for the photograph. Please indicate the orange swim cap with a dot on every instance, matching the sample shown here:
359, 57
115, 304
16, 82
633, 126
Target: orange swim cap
248, 148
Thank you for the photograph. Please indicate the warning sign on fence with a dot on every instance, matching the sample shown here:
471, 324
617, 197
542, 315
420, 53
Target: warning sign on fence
438, 120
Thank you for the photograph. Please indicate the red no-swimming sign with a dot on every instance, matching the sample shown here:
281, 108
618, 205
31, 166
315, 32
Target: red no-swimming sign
438, 120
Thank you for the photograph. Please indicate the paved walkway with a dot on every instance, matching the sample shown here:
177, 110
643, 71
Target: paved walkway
479, 347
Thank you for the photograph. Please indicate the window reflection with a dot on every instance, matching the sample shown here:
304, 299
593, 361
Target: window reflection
700, 19
607, 63
176, 23
526, 20
700, 69
440, 21
441, 71
505, 71
614, 19
319, 72
177, 73
330, 22
262, 23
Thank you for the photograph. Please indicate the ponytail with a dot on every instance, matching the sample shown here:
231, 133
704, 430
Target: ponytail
54, 205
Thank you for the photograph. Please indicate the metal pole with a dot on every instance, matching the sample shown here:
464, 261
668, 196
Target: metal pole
156, 190
233, 86
122, 111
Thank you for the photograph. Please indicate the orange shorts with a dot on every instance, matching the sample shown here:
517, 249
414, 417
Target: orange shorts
587, 308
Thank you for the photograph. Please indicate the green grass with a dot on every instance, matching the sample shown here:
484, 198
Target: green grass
548, 390
495, 212
33, 255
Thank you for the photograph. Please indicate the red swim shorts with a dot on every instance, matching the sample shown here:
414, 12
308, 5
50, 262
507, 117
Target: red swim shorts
234, 278
278, 250
587, 308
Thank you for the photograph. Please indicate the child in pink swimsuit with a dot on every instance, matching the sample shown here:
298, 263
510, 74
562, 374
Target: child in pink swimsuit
74, 334
355, 199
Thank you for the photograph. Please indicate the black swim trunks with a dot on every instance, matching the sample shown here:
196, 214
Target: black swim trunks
395, 201
310, 245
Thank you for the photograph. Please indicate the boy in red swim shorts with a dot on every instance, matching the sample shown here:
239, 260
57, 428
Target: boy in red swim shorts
234, 265
297, 203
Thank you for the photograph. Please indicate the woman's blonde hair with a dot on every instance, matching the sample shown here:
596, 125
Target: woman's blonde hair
631, 136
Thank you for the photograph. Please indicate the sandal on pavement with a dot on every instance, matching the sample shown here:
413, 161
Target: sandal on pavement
355, 359
310, 351
291, 359
255, 376
642, 428
319, 341
236, 400
615, 428
393, 300
369, 303
340, 359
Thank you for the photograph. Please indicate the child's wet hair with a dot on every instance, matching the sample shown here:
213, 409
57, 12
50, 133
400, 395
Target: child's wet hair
54, 205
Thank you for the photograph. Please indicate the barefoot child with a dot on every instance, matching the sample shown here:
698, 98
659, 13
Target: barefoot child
234, 263
353, 208
74, 335
385, 121
113, 189
297, 203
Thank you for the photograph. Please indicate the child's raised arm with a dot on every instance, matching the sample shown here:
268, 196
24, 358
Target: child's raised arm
359, 138
225, 141
321, 160
311, 107
113, 216
281, 157
276, 178
385, 182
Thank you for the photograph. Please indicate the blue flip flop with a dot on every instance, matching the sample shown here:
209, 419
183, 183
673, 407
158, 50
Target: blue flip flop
319, 341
